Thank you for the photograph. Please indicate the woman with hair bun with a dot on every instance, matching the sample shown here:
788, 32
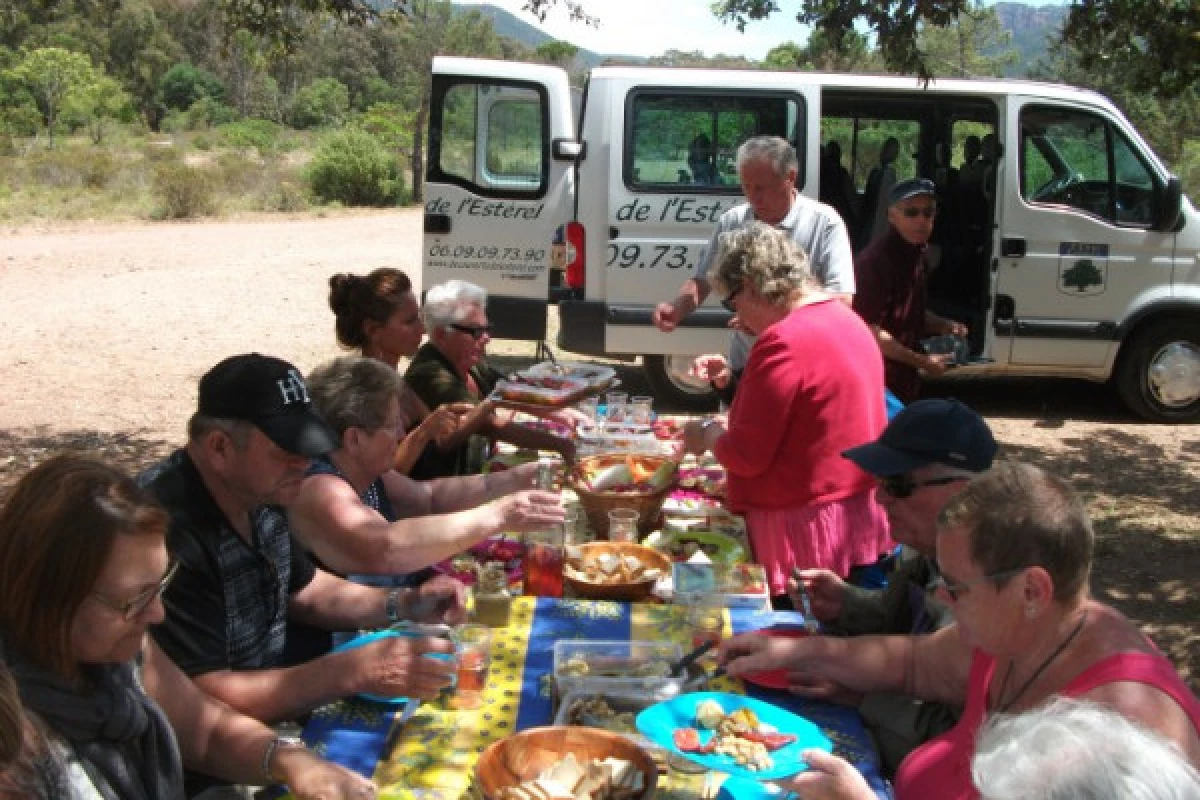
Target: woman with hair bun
377, 314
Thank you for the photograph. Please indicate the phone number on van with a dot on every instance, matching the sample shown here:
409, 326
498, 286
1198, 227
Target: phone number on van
671, 256
486, 253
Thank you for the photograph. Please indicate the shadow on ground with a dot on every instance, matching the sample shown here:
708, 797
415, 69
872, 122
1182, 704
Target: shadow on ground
20, 451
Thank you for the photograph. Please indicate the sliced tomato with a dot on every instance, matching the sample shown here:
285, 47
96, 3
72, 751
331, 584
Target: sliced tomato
687, 740
771, 741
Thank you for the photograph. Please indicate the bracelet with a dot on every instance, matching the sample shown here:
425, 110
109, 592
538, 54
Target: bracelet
286, 742
391, 606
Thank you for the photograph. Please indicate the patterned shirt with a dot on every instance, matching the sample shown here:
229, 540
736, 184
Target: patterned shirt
227, 606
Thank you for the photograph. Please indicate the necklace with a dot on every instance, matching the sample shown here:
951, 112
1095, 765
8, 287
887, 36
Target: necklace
1003, 705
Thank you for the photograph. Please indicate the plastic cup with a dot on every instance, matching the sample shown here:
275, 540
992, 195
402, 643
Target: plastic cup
615, 409
472, 651
544, 561
641, 410
622, 525
706, 620
590, 406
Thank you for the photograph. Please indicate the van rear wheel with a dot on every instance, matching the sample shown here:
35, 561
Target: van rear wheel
668, 376
1158, 376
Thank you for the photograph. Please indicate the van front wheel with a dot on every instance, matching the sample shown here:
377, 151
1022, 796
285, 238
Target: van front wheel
1158, 375
668, 376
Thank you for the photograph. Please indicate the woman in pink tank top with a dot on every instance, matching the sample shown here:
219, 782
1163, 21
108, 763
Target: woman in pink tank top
1015, 551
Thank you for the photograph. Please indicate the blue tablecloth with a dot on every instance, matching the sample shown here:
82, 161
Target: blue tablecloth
430, 756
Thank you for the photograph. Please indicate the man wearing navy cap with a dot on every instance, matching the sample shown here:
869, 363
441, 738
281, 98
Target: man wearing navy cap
924, 457
891, 276
241, 579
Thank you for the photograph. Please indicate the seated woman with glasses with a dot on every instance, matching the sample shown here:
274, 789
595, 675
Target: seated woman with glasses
83, 564
1015, 551
377, 314
812, 387
451, 368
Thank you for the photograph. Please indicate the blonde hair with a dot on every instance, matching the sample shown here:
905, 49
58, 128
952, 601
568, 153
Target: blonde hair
765, 258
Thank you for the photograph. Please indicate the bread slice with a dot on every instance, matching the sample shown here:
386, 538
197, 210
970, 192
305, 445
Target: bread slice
568, 774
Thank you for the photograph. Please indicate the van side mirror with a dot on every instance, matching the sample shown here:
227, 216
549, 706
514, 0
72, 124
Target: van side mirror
1168, 205
568, 150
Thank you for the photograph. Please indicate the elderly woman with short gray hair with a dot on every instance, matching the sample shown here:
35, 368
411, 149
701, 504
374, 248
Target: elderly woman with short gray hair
450, 368
813, 387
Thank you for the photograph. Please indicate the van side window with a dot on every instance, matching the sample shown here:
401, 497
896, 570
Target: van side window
679, 137
1080, 160
490, 139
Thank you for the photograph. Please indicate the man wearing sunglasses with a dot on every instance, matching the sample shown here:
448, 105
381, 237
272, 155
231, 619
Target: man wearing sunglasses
925, 456
891, 275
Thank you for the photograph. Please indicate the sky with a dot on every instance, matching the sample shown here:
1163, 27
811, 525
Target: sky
651, 27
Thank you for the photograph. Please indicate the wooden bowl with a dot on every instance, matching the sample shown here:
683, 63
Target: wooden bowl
525, 755
630, 591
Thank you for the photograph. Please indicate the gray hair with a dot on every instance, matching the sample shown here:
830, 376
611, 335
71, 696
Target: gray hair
765, 258
772, 150
1078, 750
446, 303
238, 430
354, 392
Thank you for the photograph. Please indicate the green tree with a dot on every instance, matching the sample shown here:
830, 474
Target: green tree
50, 74
1082, 274
100, 103
784, 56
140, 51
960, 48
323, 103
183, 84
555, 52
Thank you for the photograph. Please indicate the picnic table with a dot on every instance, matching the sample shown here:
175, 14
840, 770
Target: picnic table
430, 753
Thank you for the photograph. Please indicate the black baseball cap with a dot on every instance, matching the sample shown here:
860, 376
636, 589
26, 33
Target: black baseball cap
932, 431
269, 393
913, 187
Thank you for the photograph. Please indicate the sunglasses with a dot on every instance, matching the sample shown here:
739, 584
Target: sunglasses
131, 609
474, 331
912, 213
728, 300
902, 486
956, 589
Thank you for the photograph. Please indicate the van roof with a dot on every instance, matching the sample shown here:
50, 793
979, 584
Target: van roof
699, 76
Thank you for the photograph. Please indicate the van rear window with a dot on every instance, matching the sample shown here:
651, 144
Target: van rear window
677, 136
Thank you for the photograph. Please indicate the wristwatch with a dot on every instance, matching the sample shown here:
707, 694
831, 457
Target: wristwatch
276, 744
391, 606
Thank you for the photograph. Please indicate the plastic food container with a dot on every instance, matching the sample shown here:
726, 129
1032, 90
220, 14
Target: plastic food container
623, 703
732, 585
595, 666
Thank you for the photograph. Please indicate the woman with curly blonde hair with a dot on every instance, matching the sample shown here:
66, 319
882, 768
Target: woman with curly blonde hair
812, 388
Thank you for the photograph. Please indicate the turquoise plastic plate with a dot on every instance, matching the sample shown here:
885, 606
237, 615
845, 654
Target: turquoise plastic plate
389, 633
658, 723
720, 548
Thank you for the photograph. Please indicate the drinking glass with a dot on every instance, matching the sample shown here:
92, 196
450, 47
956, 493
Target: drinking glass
590, 406
706, 620
622, 525
615, 407
472, 650
544, 559
641, 410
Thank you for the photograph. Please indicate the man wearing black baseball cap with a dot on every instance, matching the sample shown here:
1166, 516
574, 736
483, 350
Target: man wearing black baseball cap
924, 457
240, 579
891, 276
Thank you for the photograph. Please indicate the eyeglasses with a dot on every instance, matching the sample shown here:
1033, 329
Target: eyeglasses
474, 331
728, 300
131, 609
956, 589
902, 486
927, 212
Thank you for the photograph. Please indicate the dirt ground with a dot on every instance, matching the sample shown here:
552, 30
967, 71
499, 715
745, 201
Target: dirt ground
108, 327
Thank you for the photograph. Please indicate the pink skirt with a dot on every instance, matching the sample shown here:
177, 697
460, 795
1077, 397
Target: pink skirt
836, 536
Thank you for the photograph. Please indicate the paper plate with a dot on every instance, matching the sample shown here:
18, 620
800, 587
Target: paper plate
725, 549
389, 633
775, 678
658, 723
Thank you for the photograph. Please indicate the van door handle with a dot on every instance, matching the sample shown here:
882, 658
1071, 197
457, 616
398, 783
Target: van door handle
1012, 248
437, 223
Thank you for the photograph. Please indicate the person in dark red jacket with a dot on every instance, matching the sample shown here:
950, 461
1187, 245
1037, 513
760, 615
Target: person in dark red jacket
891, 277
813, 387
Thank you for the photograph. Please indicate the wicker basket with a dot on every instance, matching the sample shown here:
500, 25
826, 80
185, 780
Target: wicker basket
597, 504
629, 592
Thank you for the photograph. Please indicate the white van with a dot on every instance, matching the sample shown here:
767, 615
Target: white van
1066, 246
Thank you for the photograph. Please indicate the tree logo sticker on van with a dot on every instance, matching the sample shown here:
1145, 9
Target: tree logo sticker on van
1082, 268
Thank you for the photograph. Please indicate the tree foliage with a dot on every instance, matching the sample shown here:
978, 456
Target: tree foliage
50, 74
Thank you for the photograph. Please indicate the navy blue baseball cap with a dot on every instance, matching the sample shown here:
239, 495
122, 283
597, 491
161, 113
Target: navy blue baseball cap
932, 431
913, 187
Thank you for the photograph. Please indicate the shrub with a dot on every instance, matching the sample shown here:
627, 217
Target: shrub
286, 196
184, 84
202, 143
183, 191
209, 113
96, 168
351, 167
323, 103
261, 134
